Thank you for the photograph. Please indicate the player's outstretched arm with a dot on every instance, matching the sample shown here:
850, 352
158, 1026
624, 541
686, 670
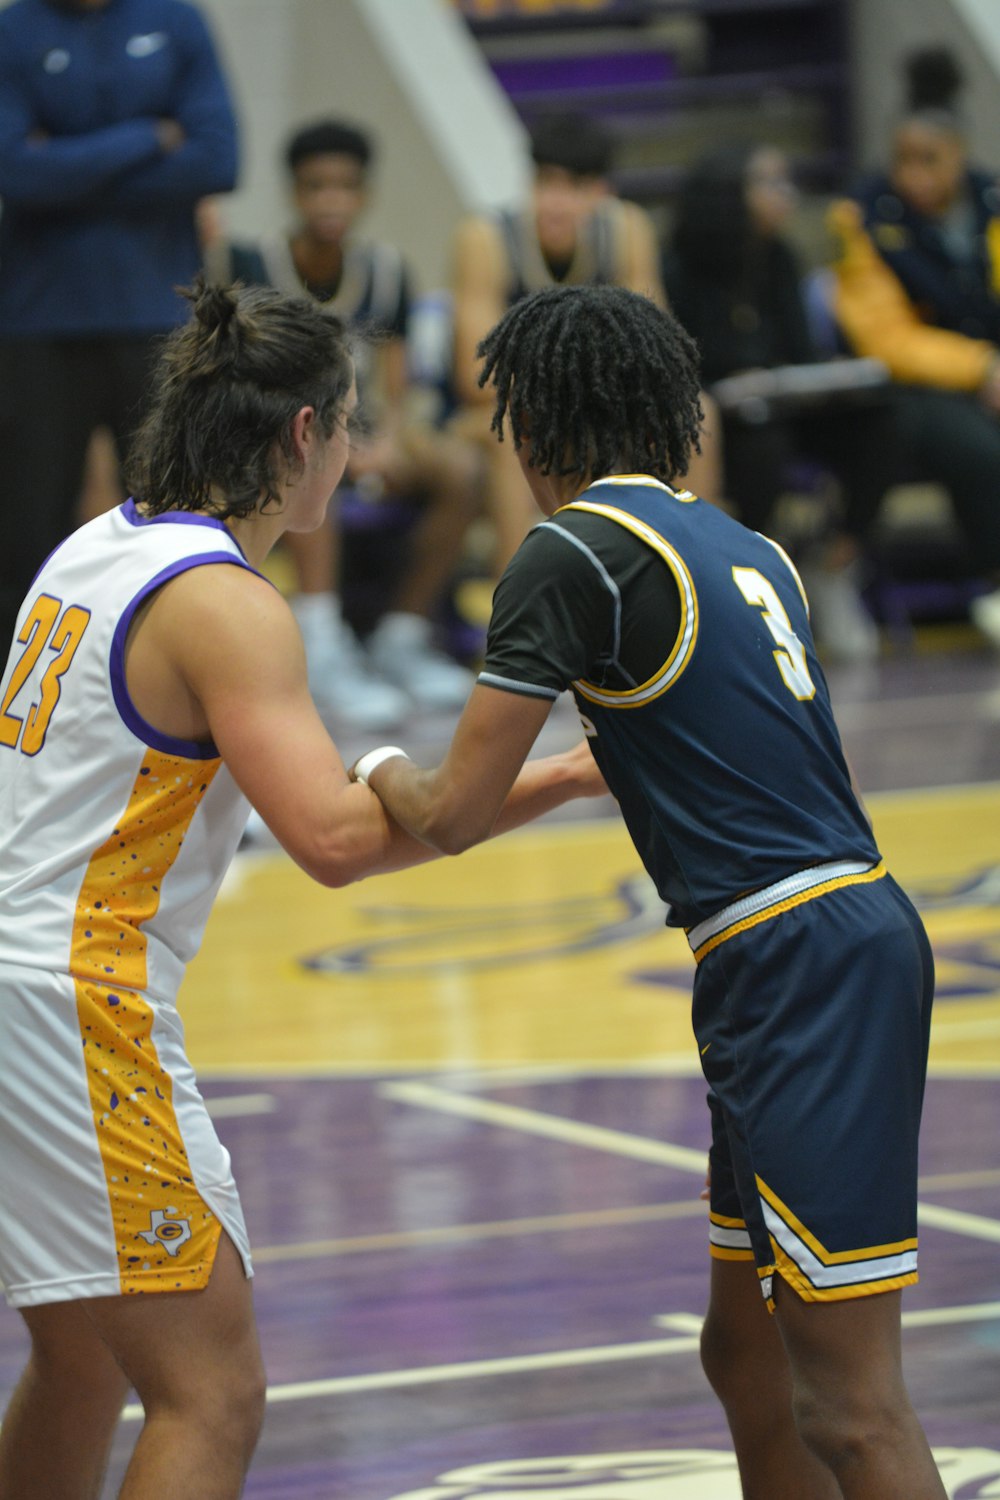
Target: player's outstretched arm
485, 784
233, 645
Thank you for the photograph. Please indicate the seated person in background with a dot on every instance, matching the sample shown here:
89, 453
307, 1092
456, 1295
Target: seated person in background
572, 231
916, 286
365, 283
734, 283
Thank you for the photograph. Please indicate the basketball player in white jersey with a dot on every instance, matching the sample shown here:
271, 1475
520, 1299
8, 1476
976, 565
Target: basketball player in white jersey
156, 686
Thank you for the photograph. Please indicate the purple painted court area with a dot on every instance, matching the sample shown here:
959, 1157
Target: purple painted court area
342, 1161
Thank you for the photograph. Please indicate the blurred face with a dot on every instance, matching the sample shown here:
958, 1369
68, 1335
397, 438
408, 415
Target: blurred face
329, 194
928, 167
770, 192
563, 203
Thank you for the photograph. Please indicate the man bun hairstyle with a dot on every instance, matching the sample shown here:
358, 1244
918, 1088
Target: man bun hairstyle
330, 138
595, 380
229, 384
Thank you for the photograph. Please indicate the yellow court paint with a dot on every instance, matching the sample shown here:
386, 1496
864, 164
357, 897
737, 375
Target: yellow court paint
545, 946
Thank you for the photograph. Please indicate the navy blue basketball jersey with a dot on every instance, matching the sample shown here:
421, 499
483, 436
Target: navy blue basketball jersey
726, 762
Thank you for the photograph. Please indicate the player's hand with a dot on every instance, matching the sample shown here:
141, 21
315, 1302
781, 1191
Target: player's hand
170, 134
989, 391
585, 771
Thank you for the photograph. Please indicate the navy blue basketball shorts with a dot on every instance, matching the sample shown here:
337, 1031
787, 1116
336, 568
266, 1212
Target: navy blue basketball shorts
812, 1016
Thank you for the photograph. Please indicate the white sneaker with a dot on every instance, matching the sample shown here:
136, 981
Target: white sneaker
984, 613
402, 648
340, 679
840, 621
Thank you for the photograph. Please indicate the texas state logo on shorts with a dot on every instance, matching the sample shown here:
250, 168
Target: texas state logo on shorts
687, 1474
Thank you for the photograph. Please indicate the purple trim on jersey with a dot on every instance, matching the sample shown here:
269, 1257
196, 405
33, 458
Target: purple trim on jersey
131, 717
177, 518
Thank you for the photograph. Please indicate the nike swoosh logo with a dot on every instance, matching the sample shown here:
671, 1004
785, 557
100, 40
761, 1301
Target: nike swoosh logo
146, 43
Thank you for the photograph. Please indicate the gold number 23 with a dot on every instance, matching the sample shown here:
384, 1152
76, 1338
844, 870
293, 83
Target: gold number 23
62, 633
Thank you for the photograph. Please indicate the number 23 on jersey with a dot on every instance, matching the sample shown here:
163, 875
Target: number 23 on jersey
48, 624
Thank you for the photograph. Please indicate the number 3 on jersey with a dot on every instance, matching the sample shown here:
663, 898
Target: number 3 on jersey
62, 634
790, 657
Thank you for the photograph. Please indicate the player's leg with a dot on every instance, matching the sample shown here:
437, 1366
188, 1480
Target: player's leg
449, 472
194, 1360
58, 1427
741, 1347
744, 1358
850, 1403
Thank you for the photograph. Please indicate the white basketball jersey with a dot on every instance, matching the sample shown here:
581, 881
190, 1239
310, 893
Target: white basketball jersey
114, 837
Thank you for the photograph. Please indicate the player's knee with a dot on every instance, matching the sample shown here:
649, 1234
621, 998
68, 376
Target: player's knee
245, 1400
226, 1400
725, 1359
843, 1427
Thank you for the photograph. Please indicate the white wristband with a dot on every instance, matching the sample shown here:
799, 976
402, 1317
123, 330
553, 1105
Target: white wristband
367, 763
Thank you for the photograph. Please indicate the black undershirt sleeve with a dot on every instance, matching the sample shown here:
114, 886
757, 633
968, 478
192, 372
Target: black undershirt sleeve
582, 598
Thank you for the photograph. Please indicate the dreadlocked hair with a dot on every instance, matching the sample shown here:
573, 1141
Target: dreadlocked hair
596, 380
229, 383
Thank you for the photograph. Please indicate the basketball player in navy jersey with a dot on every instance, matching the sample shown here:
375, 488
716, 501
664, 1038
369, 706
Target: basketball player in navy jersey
685, 640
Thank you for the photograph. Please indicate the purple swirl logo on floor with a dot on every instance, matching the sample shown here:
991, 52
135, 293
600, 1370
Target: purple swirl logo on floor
686, 1474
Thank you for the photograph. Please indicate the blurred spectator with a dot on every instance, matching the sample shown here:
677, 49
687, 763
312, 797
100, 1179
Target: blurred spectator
735, 283
571, 231
114, 120
917, 286
365, 283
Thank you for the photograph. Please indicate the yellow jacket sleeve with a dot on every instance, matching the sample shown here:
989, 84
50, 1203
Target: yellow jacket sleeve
879, 321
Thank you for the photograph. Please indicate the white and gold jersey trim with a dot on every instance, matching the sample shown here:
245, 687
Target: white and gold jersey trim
771, 900
729, 1239
683, 649
821, 1275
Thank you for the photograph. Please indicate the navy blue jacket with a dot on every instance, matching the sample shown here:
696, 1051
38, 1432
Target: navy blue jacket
98, 222
948, 293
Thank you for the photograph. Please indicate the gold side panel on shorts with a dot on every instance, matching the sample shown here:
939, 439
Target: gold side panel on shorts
148, 1176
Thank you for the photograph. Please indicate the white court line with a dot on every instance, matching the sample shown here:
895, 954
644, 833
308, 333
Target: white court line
478, 1369
639, 1148
554, 1127
472, 1073
923, 1317
561, 1359
975, 1226
235, 1105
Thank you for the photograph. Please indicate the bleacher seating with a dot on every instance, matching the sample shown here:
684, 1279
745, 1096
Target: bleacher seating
672, 77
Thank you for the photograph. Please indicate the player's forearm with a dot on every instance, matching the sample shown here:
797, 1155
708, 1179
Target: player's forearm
450, 817
360, 838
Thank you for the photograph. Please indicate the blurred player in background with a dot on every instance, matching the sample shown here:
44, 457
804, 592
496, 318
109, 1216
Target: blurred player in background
571, 232
918, 286
365, 282
115, 119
